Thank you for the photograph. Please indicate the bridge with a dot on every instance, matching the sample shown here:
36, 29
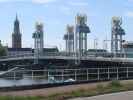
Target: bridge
10, 70
64, 60
58, 68
62, 56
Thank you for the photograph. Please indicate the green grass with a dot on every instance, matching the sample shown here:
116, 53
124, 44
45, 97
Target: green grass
111, 87
20, 98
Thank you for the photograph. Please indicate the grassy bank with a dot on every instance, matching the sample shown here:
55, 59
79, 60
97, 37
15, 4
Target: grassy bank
20, 98
111, 87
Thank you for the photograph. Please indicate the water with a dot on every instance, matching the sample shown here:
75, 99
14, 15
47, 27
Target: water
20, 78
32, 77
9, 82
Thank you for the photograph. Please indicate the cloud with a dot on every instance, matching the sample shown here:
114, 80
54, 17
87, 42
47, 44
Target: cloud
43, 1
129, 14
66, 10
12, 0
75, 3
130, 0
33, 1
4, 0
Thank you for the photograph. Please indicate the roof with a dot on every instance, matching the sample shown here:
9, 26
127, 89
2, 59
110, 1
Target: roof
69, 36
19, 49
83, 29
30, 49
50, 49
97, 50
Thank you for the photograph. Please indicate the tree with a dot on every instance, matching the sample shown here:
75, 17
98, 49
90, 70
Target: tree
2, 50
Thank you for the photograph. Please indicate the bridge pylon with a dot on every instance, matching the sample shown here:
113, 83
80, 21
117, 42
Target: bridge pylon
38, 42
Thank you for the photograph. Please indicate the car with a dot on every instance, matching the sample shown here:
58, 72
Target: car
69, 80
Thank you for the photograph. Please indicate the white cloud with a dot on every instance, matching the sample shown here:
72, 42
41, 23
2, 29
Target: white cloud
129, 14
130, 0
33, 1
75, 3
12, 0
66, 10
43, 1
5, 0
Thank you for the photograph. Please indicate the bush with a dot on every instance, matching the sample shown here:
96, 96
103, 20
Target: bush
115, 83
100, 88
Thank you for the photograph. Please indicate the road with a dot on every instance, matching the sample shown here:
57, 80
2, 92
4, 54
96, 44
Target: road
114, 96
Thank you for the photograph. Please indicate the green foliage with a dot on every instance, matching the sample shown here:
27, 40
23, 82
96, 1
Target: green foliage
77, 93
100, 88
2, 50
115, 83
111, 87
20, 98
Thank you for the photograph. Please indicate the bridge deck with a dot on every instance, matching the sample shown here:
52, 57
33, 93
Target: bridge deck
69, 58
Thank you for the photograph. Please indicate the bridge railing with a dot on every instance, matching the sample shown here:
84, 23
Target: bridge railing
68, 75
58, 54
17, 56
61, 54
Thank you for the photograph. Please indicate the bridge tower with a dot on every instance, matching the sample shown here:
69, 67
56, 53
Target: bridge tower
69, 39
38, 41
117, 33
81, 34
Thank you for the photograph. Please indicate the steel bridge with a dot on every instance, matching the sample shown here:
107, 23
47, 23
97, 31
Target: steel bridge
89, 69
64, 57
71, 75
63, 60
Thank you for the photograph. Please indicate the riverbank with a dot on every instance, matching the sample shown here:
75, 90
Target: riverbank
113, 96
72, 91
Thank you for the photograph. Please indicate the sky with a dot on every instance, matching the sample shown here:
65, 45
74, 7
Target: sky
56, 14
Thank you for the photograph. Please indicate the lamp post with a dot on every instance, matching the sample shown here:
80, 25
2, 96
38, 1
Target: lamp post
96, 45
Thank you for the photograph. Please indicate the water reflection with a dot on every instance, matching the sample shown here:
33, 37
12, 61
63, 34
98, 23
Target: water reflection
25, 81
23, 77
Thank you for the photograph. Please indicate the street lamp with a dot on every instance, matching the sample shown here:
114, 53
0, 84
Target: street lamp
95, 45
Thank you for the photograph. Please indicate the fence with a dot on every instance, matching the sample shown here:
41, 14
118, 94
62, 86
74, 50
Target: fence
67, 75
64, 54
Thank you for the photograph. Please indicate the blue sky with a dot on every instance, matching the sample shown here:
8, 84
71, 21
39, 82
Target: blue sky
56, 14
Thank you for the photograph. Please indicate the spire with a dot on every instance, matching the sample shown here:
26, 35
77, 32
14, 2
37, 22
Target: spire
16, 36
16, 17
16, 26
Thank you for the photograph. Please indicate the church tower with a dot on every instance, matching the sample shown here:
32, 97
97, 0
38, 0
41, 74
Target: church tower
16, 35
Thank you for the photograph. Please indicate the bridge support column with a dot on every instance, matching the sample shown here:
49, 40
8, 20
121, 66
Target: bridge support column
14, 75
108, 74
75, 75
98, 74
32, 75
62, 76
127, 73
48, 76
117, 74
87, 75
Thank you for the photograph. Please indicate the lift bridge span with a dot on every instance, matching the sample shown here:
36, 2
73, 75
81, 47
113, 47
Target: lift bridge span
66, 60
63, 57
62, 68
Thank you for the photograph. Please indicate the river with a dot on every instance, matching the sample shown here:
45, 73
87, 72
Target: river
25, 81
